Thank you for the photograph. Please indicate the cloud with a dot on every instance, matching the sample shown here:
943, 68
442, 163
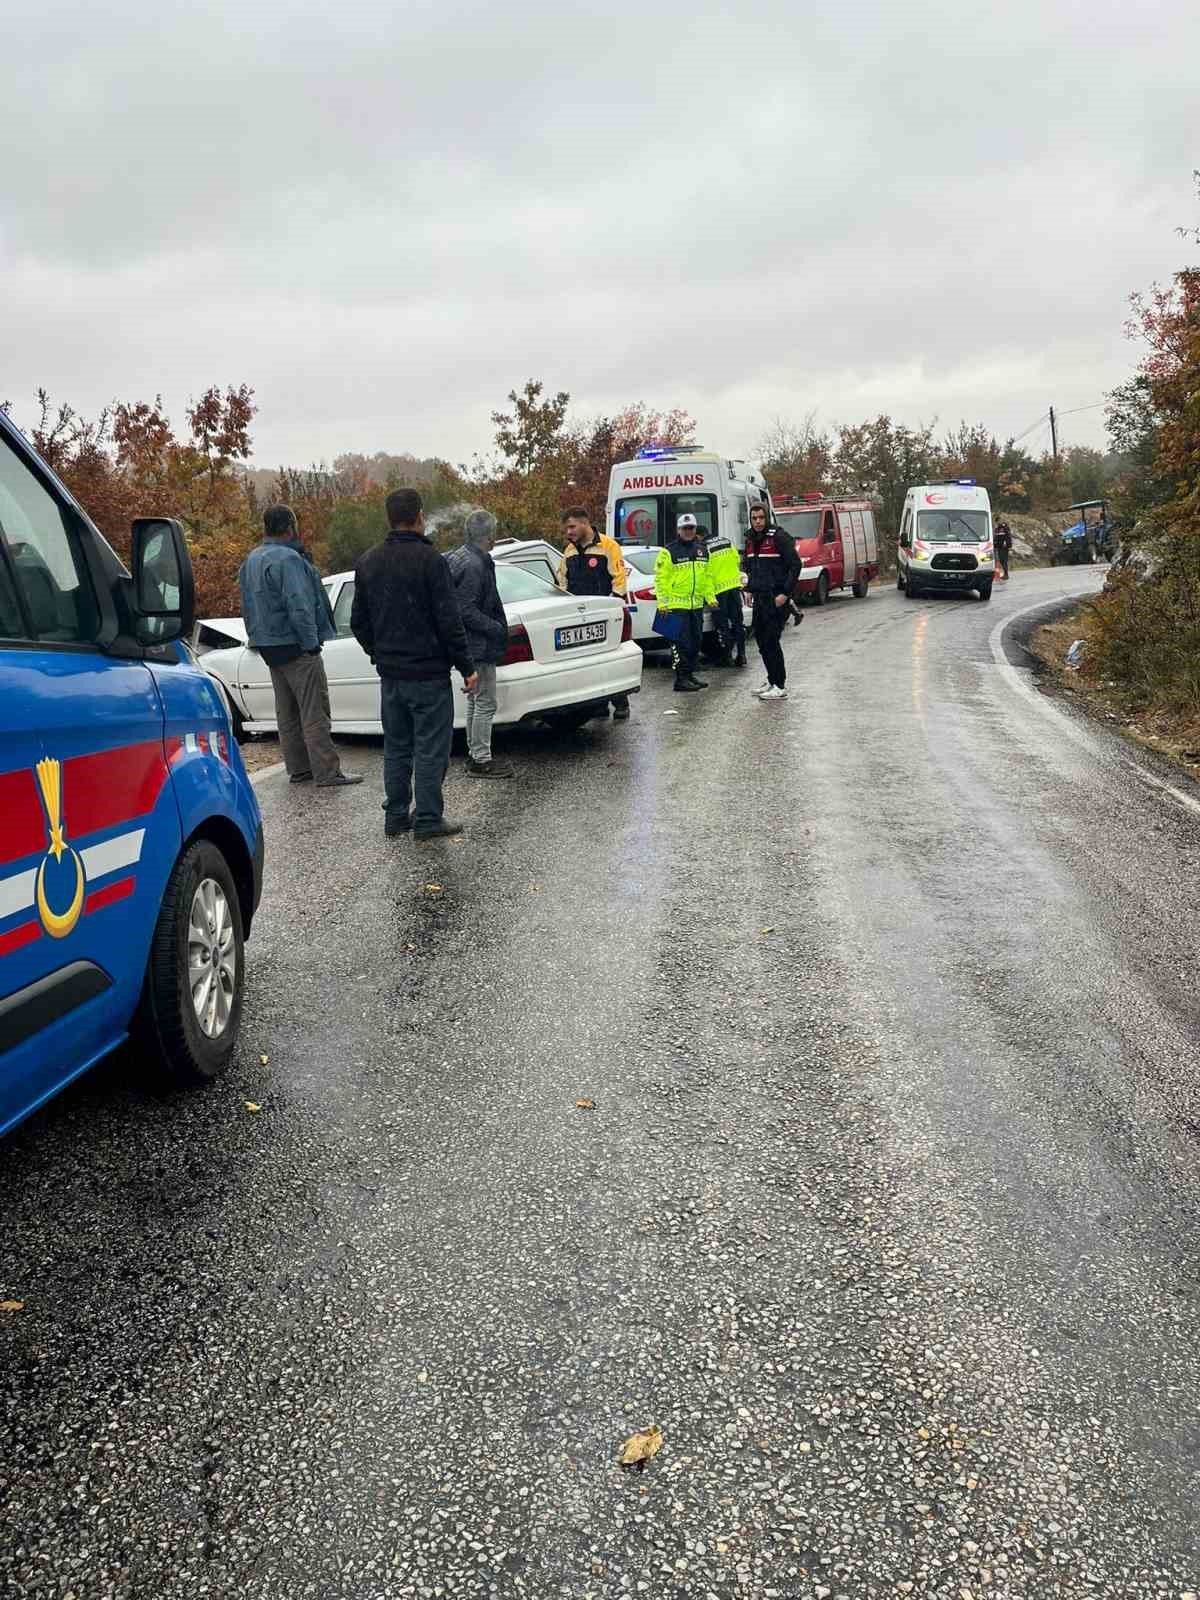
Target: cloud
383, 218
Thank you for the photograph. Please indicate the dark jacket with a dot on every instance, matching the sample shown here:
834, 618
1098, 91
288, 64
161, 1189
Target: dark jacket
283, 599
1003, 537
405, 613
772, 565
474, 574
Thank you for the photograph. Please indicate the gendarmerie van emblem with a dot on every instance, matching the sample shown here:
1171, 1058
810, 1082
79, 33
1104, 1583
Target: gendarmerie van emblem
60, 876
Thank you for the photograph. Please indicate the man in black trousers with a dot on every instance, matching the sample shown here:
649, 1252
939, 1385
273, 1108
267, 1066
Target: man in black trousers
405, 615
772, 568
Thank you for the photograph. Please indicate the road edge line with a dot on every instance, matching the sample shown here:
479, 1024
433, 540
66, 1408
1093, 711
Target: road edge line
1086, 737
264, 773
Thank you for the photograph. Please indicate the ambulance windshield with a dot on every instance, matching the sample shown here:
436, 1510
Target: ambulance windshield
952, 527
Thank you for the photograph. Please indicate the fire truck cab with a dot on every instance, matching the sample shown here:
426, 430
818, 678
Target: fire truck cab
836, 541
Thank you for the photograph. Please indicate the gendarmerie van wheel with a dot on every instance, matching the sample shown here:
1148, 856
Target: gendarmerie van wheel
192, 998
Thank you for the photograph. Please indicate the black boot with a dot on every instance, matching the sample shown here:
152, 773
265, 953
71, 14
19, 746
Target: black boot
686, 685
740, 659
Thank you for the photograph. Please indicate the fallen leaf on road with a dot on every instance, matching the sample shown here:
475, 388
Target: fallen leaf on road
422, 1377
641, 1446
12, 1305
252, 1106
433, 888
264, 1059
670, 713
585, 1105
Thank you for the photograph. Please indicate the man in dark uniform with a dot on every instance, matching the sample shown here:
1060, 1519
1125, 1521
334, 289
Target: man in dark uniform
772, 568
1003, 543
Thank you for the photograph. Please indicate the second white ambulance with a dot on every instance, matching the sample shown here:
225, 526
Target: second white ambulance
946, 540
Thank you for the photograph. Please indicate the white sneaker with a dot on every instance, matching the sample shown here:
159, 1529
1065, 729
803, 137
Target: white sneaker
765, 684
773, 694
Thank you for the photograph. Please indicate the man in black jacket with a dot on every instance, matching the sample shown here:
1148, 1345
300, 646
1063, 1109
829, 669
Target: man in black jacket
1003, 544
772, 568
474, 573
405, 616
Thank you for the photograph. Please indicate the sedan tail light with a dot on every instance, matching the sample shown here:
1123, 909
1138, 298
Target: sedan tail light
627, 626
645, 594
519, 647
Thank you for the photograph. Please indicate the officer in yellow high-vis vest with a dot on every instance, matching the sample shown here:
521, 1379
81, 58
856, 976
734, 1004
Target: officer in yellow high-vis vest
683, 587
725, 569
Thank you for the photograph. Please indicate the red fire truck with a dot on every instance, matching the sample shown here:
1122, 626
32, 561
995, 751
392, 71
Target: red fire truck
836, 541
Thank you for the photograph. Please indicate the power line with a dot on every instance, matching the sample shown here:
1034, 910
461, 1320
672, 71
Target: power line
1075, 412
1044, 417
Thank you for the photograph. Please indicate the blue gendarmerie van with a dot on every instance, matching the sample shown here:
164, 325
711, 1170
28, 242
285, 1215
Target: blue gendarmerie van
131, 844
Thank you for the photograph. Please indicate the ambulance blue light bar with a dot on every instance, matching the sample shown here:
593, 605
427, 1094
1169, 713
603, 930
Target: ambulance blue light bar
656, 452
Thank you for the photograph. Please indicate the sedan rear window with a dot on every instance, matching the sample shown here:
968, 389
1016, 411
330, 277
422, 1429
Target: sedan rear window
516, 584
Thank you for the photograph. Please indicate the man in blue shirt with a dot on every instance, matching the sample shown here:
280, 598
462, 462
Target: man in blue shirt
288, 618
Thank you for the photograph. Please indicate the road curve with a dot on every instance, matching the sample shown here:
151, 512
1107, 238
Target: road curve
886, 1211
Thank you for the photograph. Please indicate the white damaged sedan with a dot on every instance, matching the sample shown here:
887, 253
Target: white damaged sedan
567, 656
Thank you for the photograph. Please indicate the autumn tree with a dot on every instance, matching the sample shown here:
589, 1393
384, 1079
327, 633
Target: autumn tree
129, 462
597, 446
883, 458
532, 432
1146, 629
797, 458
359, 521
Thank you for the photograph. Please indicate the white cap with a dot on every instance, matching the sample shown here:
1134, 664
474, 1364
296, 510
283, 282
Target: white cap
687, 520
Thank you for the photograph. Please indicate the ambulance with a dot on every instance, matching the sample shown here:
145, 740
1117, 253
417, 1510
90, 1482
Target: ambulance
131, 843
945, 540
647, 495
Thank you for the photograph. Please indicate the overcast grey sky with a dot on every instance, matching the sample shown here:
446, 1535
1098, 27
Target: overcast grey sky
383, 217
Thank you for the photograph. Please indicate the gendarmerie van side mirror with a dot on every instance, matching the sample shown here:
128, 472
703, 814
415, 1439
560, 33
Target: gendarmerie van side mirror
164, 589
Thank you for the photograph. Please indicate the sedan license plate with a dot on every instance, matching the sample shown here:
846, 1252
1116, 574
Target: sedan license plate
582, 633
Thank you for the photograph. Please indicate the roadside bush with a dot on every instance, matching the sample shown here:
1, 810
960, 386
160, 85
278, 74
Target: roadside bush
1144, 633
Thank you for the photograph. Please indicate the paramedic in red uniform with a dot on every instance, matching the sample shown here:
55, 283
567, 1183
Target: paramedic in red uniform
772, 568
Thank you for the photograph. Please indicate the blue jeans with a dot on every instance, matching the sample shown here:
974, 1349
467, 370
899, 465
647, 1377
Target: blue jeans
418, 725
481, 709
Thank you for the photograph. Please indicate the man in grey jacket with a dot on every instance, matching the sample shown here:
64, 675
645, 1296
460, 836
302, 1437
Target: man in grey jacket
288, 618
474, 573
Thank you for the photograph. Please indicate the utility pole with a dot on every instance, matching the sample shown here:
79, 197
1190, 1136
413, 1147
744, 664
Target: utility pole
1053, 433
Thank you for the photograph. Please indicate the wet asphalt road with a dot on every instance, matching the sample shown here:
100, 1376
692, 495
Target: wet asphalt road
886, 1212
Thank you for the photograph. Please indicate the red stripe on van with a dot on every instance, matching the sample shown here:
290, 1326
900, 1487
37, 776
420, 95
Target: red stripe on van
111, 787
22, 820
